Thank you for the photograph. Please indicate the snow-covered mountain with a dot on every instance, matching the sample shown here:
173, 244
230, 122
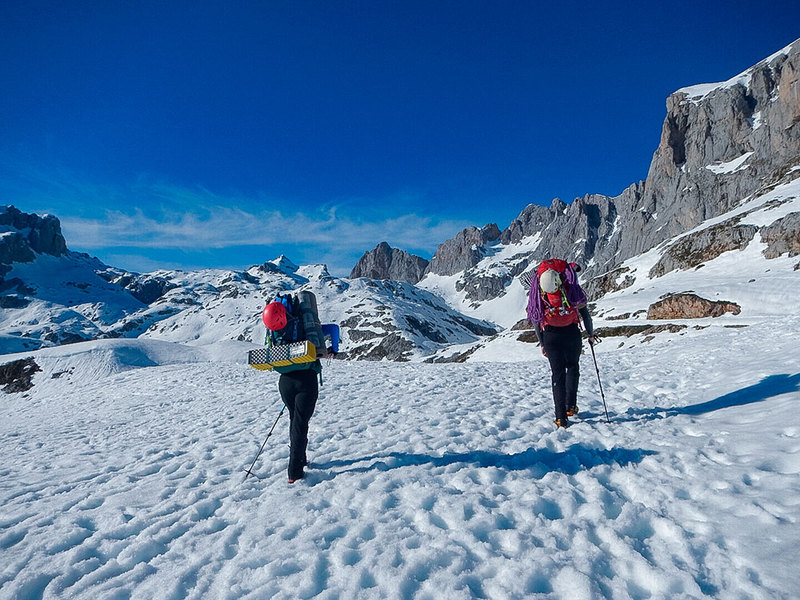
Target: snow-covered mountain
722, 146
54, 299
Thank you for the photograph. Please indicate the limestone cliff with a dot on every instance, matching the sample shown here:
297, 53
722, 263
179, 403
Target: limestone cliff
385, 262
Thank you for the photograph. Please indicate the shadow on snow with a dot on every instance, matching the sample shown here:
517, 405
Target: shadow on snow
541, 461
769, 387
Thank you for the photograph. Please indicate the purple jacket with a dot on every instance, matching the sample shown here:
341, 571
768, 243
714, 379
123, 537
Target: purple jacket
574, 293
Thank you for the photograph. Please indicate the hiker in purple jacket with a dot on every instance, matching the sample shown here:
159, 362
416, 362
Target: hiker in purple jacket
556, 306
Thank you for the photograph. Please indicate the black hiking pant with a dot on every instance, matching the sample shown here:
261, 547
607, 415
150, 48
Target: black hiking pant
299, 392
563, 348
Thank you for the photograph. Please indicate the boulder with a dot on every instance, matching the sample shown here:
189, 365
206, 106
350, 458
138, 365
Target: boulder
689, 306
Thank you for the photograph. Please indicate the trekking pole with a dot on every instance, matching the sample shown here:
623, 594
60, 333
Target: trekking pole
600, 383
249, 471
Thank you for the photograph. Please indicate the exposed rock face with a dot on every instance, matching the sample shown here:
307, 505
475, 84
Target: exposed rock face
573, 231
22, 236
393, 347
695, 249
145, 288
720, 143
782, 237
17, 376
533, 218
612, 281
483, 286
690, 306
385, 262
465, 250
41, 234
14, 248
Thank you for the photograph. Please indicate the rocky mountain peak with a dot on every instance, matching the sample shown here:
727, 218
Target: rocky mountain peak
722, 142
463, 251
385, 262
23, 235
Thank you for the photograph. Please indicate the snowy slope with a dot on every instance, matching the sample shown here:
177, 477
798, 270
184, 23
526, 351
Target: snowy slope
427, 481
61, 300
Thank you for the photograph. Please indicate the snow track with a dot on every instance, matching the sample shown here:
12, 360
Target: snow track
427, 481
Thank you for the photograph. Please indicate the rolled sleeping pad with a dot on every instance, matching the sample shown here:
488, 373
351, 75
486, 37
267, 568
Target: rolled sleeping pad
331, 330
310, 316
308, 301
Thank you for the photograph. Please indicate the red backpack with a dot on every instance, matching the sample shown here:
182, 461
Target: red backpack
556, 264
561, 307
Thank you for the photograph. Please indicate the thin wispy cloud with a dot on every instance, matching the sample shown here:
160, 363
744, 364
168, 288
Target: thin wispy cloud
199, 219
153, 219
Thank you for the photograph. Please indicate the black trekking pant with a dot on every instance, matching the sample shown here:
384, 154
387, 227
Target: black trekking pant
563, 348
299, 392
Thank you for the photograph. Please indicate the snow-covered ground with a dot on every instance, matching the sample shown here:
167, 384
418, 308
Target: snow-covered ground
122, 471
122, 476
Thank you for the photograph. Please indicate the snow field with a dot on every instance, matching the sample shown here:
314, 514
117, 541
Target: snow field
427, 481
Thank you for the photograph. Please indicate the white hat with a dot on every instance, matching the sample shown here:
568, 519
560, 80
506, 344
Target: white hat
550, 281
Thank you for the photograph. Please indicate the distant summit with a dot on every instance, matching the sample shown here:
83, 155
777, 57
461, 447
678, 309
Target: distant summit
385, 262
23, 235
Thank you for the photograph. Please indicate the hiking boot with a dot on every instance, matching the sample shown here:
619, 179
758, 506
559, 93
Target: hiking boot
572, 411
562, 423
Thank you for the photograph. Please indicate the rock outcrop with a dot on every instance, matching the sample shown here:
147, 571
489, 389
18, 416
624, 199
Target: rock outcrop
612, 281
17, 376
689, 306
385, 262
42, 234
463, 251
23, 235
145, 288
782, 237
695, 249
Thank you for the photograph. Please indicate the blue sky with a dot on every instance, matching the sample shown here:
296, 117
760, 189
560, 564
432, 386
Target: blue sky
196, 134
